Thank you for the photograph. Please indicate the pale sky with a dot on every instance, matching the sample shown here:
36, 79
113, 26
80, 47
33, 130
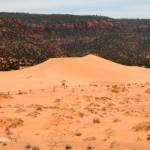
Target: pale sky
110, 8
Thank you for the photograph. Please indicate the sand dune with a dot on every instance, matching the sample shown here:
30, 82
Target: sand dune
74, 71
109, 110
92, 68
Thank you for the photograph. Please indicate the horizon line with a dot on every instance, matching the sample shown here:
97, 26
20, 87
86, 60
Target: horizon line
98, 15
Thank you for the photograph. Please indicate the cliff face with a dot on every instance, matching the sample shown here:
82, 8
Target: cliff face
31, 39
86, 25
143, 28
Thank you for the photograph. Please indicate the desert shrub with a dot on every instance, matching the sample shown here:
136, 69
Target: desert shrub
96, 120
144, 126
35, 148
39, 108
147, 91
148, 137
77, 133
89, 147
28, 146
68, 146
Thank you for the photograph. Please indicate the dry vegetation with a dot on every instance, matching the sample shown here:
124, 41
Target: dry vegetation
4, 96
104, 116
144, 126
147, 91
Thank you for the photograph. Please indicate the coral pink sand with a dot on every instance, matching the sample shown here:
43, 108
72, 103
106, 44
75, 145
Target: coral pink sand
104, 106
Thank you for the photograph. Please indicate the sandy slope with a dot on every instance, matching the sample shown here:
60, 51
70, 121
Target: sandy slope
103, 116
106, 106
74, 71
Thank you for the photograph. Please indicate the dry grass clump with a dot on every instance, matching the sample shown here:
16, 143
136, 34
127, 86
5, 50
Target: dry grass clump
8, 132
21, 92
113, 144
144, 126
81, 114
96, 120
147, 91
117, 89
29, 147
35, 148
93, 85
89, 147
4, 96
68, 146
39, 108
10, 123
114, 89
77, 133
20, 110
4, 144
93, 138
148, 137
34, 114
57, 100
116, 120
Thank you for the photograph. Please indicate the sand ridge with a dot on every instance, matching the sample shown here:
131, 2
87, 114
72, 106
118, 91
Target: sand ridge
100, 105
74, 70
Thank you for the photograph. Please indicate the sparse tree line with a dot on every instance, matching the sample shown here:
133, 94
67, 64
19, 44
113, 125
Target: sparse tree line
8, 64
21, 46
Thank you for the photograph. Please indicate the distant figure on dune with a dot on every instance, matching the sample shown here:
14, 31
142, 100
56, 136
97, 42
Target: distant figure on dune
63, 83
